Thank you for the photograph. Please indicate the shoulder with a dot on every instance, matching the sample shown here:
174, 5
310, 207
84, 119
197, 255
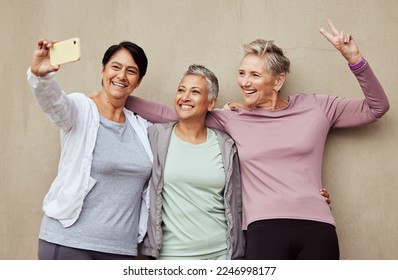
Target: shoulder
132, 116
220, 133
223, 138
82, 101
79, 96
159, 134
224, 112
161, 127
301, 98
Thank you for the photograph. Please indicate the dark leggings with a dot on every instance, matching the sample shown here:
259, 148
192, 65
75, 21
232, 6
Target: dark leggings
51, 251
290, 239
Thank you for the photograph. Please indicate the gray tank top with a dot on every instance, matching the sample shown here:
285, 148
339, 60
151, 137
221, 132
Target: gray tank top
109, 218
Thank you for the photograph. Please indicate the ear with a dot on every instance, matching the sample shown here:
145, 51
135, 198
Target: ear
102, 69
279, 81
211, 105
138, 83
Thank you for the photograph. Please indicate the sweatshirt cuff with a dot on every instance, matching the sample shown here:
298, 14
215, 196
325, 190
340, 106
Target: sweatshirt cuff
46, 77
358, 65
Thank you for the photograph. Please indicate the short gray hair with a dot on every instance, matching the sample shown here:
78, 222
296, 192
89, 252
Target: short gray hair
276, 62
211, 79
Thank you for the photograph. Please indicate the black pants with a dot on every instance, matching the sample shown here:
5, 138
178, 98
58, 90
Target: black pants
51, 251
290, 239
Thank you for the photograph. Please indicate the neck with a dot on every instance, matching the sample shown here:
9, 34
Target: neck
110, 110
192, 132
275, 103
110, 102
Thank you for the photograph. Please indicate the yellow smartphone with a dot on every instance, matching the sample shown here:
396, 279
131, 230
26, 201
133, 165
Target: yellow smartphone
65, 51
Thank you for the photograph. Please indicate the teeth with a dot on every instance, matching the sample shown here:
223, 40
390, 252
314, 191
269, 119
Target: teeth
250, 91
186, 107
118, 85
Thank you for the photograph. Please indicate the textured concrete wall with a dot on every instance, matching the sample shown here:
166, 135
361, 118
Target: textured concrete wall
360, 165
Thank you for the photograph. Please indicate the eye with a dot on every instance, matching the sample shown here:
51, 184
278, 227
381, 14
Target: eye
115, 67
132, 71
241, 73
195, 92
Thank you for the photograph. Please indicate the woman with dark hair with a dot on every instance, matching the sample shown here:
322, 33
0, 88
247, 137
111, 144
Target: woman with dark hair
97, 206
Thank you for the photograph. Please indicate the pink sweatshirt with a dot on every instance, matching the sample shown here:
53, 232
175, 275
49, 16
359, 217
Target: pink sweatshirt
281, 151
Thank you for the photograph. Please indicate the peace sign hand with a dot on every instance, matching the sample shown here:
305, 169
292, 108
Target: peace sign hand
343, 42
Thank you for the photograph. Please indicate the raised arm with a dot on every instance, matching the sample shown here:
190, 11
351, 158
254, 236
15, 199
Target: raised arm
53, 101
352, 112
153, 111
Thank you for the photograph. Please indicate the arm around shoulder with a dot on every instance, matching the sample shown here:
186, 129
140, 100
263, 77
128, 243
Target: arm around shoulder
152, 111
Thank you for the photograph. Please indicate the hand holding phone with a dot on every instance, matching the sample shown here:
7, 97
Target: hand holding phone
65, 51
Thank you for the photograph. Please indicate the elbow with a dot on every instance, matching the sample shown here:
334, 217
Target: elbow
387, 107
378, 114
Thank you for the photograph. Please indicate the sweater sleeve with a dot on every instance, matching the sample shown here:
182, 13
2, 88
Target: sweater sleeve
153, 111
52, 100
347, 112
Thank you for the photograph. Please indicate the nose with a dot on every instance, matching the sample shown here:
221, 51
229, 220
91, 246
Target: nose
121, 75
244, 81
186, 95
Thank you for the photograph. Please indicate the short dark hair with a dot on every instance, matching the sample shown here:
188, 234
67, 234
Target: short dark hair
136, 52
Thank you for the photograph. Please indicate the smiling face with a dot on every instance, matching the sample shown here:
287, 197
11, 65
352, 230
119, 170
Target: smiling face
192, 99
257, 84
120, 76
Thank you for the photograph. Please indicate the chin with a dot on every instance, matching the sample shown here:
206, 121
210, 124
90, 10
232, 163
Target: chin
248, 101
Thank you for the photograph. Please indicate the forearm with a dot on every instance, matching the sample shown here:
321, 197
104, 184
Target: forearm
51, 99
375, 97
351, 112
152, 111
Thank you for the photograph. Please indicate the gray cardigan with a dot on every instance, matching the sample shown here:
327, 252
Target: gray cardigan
159, 137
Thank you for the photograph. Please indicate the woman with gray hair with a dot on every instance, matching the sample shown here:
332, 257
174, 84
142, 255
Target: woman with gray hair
281, 143
195, 188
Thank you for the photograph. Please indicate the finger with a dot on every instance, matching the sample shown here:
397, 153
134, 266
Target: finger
347, 38
41, 44
324, 192
326, 34
50, 44
54, 68
332, 27
44, 45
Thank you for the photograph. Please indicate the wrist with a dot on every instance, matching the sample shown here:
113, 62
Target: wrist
36, 73
357, 65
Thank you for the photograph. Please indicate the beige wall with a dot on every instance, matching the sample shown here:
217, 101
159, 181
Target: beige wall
360, 166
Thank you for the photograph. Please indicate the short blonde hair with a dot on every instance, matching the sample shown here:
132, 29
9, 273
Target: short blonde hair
275, 60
